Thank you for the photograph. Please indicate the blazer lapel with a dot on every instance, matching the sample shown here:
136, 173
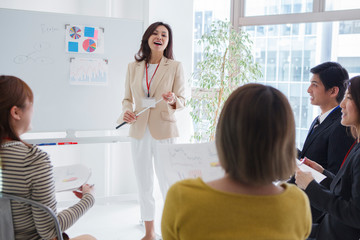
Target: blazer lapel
139, 78
163, 67
321, 128
338, 176
342, 170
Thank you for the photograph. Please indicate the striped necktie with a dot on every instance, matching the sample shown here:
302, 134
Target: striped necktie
316, 124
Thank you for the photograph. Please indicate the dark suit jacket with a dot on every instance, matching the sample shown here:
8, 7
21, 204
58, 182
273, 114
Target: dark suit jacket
340, 201
328, 143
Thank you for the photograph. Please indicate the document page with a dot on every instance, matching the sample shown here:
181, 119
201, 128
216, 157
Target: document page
305, 168
71, 177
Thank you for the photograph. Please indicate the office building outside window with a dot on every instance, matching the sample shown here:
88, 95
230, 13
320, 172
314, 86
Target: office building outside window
205, 12
287, 52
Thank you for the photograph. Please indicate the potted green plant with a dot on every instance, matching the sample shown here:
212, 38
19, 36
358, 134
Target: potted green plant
227, 63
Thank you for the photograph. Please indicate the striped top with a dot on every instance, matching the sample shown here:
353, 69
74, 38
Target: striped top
28, 173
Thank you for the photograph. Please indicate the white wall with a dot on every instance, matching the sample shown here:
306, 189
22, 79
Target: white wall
103, 8
63, 6
111, 163
132, 9
179, 15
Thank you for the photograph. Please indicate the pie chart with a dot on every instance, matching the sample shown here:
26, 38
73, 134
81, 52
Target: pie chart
75, 32
89, 45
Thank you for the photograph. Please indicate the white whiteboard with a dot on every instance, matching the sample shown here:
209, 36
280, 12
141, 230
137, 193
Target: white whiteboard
183, 161
38, 40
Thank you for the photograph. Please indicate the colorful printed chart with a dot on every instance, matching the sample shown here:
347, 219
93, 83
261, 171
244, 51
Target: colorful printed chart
84, 39
75, 32
89, 45
88, 71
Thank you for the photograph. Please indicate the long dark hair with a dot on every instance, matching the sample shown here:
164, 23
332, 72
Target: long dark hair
354, 91
144, 52
13, 92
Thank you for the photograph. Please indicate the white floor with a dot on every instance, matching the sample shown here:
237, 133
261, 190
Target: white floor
112, 218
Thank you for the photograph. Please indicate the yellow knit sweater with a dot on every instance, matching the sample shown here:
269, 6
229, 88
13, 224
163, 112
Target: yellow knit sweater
194, 210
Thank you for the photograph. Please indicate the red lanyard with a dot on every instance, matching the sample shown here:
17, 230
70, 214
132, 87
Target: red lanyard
147, 81
348, 153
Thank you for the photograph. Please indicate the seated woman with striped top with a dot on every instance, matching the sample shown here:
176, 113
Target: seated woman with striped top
27, 171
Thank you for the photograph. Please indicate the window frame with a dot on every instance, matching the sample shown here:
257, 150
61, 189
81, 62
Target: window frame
319, 14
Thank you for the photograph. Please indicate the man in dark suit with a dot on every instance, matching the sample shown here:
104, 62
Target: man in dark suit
327, 141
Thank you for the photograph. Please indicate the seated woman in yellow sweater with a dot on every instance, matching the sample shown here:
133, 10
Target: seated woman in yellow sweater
255, 140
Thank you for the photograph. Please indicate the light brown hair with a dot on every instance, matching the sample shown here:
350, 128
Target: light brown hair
255, 135
13, 92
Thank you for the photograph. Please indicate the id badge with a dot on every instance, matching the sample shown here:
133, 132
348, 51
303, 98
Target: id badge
148, 102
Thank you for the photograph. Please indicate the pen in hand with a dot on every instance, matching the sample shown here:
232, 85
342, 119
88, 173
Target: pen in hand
86, 188
301, 161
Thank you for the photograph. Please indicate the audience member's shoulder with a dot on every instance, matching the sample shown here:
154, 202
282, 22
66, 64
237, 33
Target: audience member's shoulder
191, 182
17, 147
293, 190
36, 155
186, 184
341, 128
356, 155
26, 154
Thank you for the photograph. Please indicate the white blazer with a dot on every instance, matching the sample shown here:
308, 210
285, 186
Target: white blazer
160, 120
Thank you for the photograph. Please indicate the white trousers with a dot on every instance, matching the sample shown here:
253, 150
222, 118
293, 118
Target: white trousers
143, 151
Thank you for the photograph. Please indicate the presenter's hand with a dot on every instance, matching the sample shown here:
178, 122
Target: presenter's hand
302, 179
169, 97
313, 165
86, 188
129, 117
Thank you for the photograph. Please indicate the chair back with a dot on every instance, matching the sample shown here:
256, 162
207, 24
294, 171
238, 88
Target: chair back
6, 222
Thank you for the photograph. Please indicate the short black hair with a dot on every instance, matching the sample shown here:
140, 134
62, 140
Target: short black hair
332, 74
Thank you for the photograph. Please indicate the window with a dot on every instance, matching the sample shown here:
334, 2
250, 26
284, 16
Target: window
288, 46
205, 12
352, 64
273, 7
341, 5
349, 27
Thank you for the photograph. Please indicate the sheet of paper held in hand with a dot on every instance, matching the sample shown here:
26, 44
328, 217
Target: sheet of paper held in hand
70, 178
305, 168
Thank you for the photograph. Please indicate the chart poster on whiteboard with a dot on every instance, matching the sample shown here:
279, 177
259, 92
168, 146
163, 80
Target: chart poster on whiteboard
84, 39
88, 71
